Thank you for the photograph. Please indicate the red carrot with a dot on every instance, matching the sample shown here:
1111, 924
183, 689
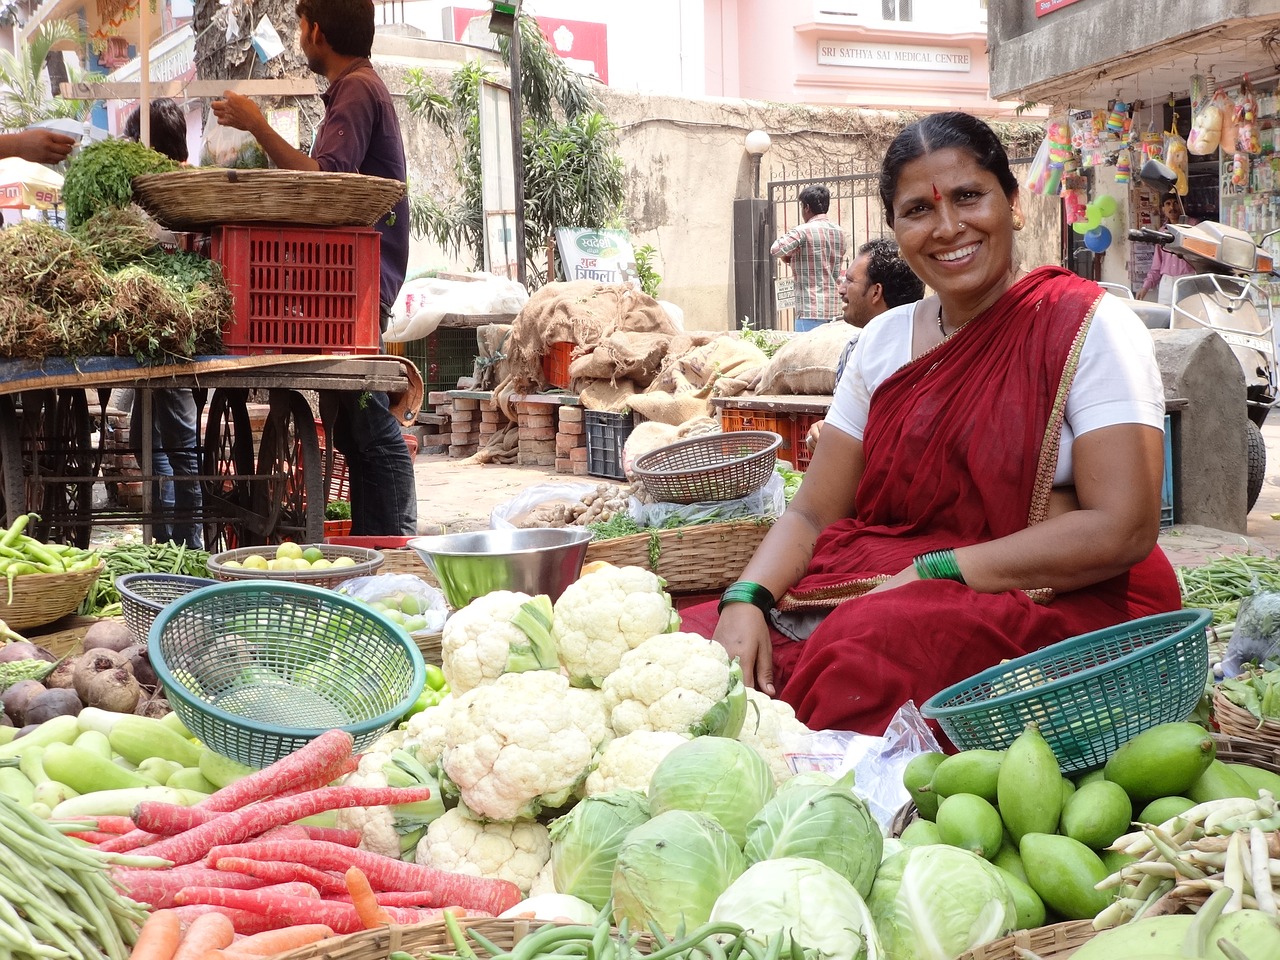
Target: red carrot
246, 922
212, 931
348, 838
105, 823
93, 836
390, 898
270, 871
158, 887
286, 831
287, 911
384, 873
371, 914
278, 941
314, 764
254, 819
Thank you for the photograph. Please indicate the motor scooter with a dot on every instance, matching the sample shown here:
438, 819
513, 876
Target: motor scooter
1224, 296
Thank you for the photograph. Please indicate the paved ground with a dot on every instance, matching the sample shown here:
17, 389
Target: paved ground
454, 495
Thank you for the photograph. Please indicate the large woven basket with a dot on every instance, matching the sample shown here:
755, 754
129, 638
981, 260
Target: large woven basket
366, 562
421, 939
40, 598
1239, 722
710, 468
1054, 942
194, 199
696, 559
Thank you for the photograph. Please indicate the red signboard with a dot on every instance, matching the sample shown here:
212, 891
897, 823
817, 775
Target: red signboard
584, 45
1048, 6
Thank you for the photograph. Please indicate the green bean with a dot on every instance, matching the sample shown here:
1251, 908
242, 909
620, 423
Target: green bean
493, 949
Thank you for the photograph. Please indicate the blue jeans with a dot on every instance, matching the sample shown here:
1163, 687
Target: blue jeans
384, 497
175, 445
805, 324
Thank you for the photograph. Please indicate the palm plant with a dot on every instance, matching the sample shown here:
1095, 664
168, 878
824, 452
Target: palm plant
572, 176
25, 95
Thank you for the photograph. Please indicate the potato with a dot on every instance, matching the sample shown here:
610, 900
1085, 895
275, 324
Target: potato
111, 634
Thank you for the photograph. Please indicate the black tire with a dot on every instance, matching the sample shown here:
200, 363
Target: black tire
1256, 448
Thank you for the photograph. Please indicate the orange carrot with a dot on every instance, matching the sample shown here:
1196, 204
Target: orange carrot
211, 931
371, 914
158, 938
278, 941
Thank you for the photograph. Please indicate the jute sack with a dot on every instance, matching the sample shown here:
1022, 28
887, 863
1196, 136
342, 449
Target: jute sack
609, 397
624, 355
807, 363
726, 356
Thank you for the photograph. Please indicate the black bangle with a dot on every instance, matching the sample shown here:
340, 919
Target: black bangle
744, 591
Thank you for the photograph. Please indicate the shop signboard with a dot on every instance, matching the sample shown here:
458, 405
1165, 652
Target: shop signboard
605, 256
893, 56
784, 293
1049, 6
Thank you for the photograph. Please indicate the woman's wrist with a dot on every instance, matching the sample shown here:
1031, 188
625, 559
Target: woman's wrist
938, 565
745, 591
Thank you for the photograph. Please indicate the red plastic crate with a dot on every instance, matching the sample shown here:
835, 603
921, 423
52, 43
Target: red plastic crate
555, 365
734, 418
803, 421
300, 289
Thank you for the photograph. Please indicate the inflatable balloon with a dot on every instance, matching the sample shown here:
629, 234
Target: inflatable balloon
1098, 239
1081, 227
1106, 205
1092, 216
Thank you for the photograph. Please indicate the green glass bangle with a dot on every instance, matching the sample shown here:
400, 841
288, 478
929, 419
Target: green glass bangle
938, 565
744, 591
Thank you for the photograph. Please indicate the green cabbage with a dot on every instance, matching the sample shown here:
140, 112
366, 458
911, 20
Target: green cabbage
671, 869
934, 902
803, 901
586, 842
829, 824
723, 778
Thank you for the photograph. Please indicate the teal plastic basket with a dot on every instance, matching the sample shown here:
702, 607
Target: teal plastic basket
1088, 694
257, 669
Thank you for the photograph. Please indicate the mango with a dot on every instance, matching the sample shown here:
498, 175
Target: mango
1063, 873
916, 777
1163, 809
1027, 903
970, 771
1163, 761
920, 833
971, 823
1029, 786
1257, 778
1220, 782
1008, 860
1096, 814
1089, 777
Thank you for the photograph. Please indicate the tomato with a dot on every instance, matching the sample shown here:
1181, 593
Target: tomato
435, 677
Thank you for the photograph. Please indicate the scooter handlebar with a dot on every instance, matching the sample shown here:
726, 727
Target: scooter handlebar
1147, 235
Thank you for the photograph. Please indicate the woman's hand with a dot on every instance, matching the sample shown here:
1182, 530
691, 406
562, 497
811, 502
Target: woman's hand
908, 575
743, 633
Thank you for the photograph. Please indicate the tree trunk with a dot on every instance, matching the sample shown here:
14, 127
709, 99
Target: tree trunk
218, 58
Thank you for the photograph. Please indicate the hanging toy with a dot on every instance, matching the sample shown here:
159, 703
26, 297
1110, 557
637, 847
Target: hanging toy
1175, 156
1118, 118
1206, 119
1246, 119
1123, 167
1239, 169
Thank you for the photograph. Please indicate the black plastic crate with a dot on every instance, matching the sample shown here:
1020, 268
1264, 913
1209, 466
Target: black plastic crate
441, 357
606, 434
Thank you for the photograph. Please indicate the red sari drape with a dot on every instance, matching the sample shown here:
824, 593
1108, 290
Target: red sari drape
961, 447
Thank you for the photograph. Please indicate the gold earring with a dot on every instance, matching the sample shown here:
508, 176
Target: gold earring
1018, 220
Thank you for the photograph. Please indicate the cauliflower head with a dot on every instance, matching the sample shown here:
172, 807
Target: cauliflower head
516, 851
604, 614
627, 763
393, 831
520, 744
500, 632
771, 727
425, 730
679, 682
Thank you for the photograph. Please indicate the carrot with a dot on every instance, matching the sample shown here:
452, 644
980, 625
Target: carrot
286, 831
284, 910
450, 889
348, 838
93, 836
158, 887
240, 825
286, 938
391, 898
246, 922
158, 938
105, 823
362, 898
270, 871
212, 931
314, 764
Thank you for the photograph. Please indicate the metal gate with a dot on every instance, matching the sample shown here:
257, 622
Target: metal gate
855, 207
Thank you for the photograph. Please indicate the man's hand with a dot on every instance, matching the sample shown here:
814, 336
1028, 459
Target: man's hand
235, 110
811, 438
785, 258
37, 145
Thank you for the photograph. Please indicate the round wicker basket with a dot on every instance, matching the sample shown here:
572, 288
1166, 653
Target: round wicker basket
40, 598
1238, 722
1054, 942
366, 562
710, 468
421, 939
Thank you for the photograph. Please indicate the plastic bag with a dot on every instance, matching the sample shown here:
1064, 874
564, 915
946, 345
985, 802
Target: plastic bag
392, 589
229, 147
768, 501
1247, 139
1256, 636
877, 762
1045, 174
422, 303
530, 497
1176, 157
1206, 129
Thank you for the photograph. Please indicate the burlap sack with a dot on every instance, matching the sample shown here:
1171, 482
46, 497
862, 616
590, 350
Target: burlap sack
610, 397
807, 363
491, 366
725, 356
624, 355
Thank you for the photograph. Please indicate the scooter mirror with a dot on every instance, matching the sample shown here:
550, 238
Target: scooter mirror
1158, 177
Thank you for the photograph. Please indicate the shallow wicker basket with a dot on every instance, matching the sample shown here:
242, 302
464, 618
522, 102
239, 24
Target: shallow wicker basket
421, 939
40, 598
144, 595
366, 562
1054, 942
192, 199
1239, 722
704, 557
718, 466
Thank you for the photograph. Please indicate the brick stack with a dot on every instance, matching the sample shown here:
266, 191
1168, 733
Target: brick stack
571, 442
436, 425
537, 434
464, 435
492, 420
119, 463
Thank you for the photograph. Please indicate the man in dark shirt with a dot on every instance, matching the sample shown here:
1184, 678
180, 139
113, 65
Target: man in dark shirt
359, 134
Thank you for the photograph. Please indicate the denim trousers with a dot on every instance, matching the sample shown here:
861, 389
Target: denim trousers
805, 324
175, 445
384, 499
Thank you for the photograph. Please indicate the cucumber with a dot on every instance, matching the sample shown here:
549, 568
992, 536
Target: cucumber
87, 772
120, 803
95, 742
140, 738
1163, 761
15, 786
190, 778
174, 723
56, 730
1029, 786
220, 770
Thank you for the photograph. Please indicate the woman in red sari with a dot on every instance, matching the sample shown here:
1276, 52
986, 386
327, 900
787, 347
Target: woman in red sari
988, 480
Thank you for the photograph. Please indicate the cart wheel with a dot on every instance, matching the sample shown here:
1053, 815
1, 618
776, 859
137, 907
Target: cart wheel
227, 454
55, 425
289, 470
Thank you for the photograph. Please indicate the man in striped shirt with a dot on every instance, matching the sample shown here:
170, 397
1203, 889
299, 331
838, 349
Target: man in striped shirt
815, 249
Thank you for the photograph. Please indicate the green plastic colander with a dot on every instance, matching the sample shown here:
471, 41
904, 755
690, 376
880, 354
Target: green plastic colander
1088, 694
256, 669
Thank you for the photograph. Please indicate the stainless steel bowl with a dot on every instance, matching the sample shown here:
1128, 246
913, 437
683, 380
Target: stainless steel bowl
469, 565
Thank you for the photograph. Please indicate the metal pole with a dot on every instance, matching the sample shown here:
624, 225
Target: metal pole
517, 148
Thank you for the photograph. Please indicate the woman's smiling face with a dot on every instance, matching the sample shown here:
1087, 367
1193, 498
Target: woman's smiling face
954, 225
